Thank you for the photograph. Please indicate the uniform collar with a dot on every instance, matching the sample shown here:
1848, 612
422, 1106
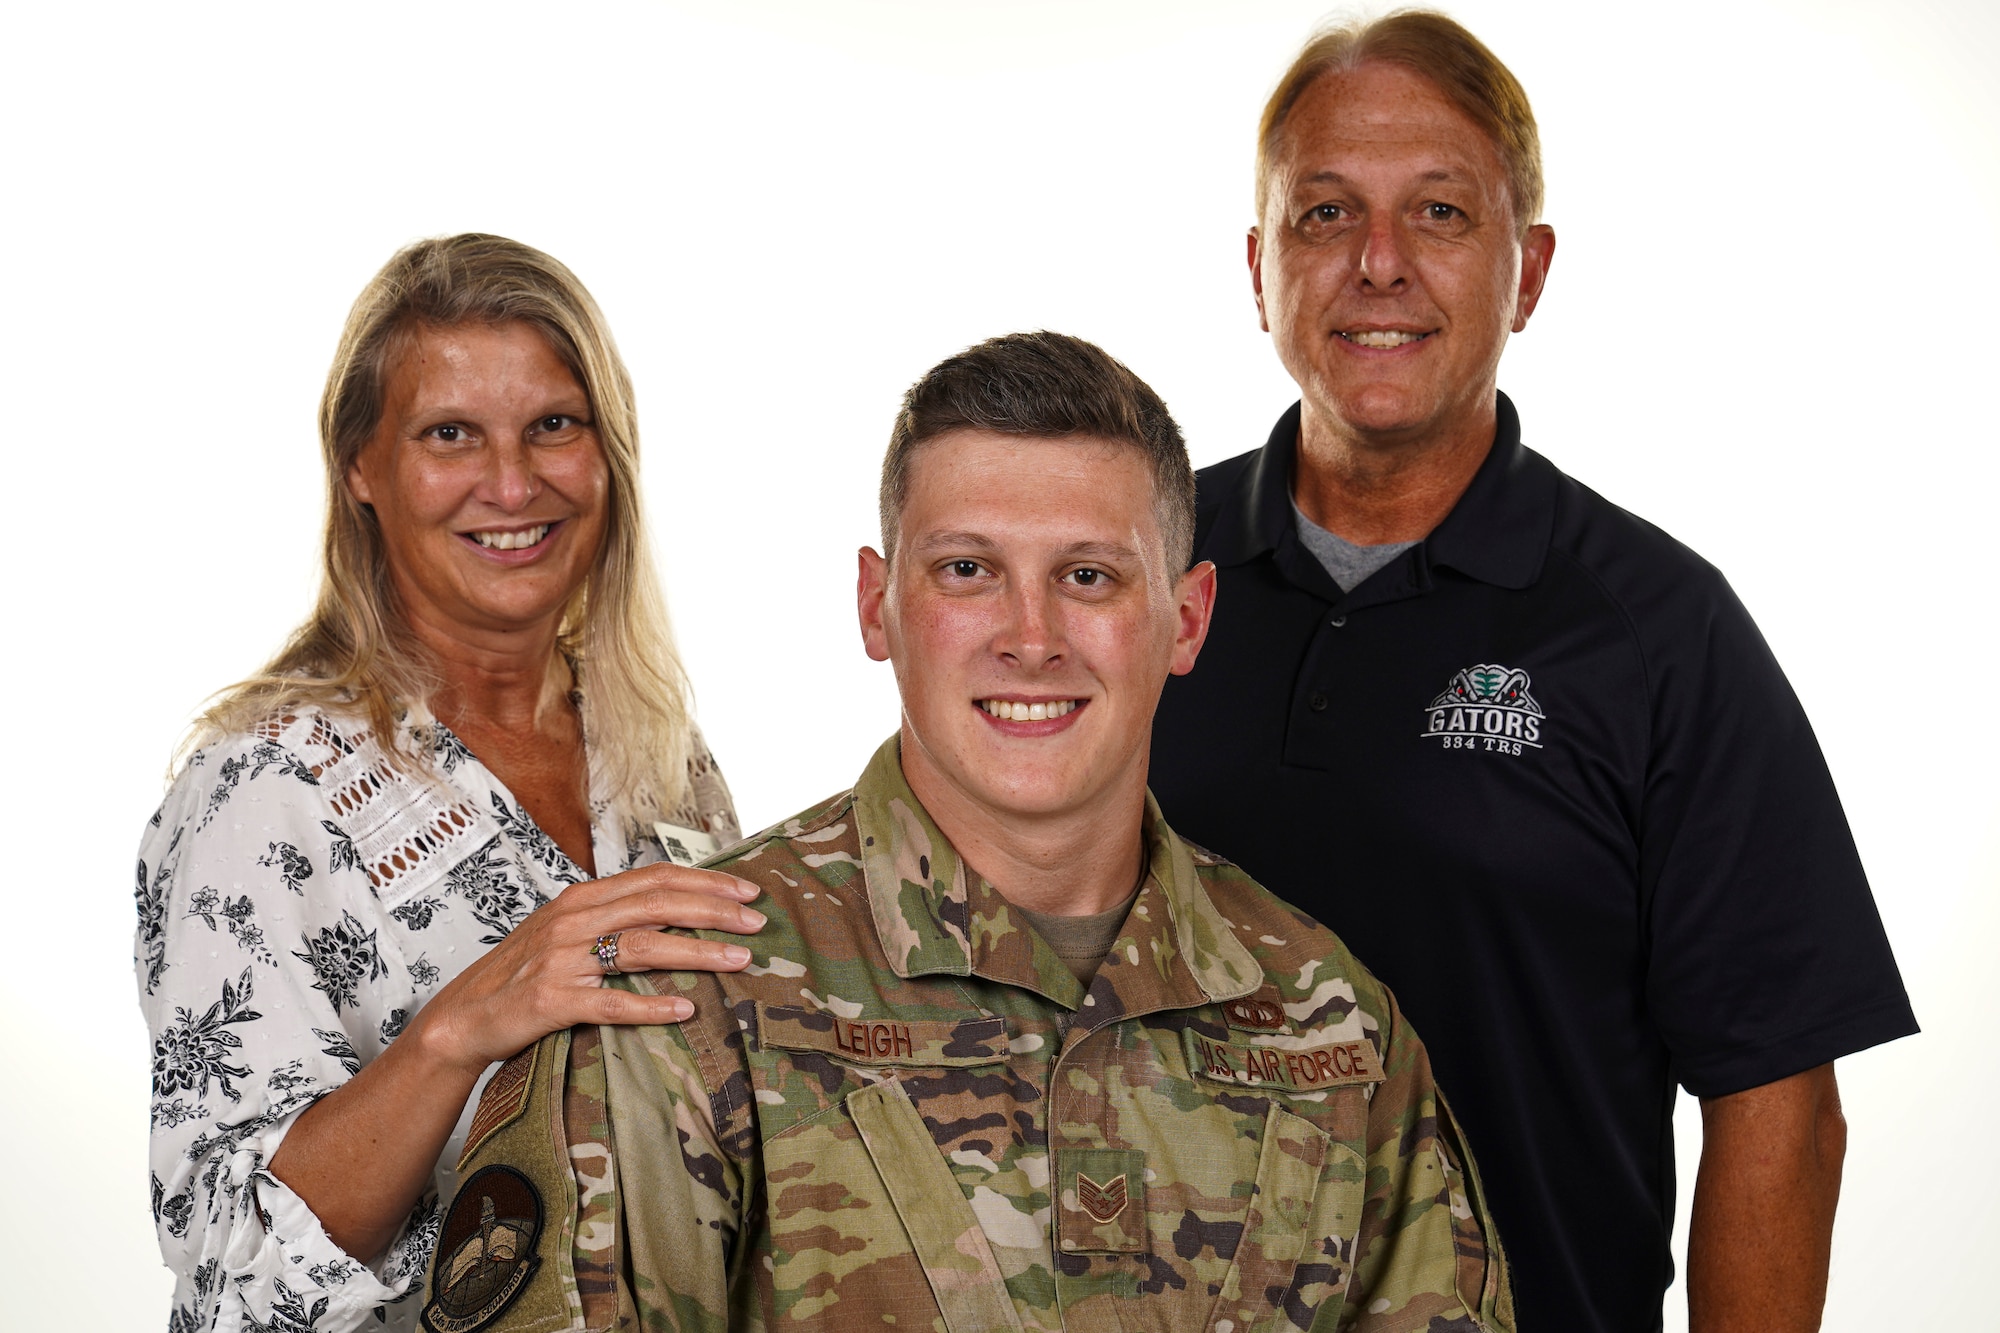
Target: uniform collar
934, 918
1498, 532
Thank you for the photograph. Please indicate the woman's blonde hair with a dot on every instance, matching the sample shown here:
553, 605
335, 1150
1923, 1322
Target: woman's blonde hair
355, 656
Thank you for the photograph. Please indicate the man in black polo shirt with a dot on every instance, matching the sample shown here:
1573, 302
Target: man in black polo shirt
1524, 751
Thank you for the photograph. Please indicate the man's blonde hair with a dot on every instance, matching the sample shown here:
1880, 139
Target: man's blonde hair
1439, 48
355, 655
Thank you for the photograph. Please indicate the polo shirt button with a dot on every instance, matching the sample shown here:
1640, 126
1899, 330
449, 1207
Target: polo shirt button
1317, 703
1338, 621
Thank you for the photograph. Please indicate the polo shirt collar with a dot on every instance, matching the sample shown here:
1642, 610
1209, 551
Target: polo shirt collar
1498, 532
934, 917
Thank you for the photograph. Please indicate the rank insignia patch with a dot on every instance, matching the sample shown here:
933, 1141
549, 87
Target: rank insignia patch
486, 1251
1103, 1202
1100, 1201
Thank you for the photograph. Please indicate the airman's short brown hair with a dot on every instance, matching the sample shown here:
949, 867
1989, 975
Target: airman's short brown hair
1049, 385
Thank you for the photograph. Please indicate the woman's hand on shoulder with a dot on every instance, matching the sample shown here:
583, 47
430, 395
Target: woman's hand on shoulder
546, 976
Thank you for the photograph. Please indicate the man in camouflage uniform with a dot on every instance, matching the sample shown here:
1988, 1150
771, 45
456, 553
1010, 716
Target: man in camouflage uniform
912, 1110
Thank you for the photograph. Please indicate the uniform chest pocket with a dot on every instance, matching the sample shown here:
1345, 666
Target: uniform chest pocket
864, 1212
1295, 1253
1297, 1247
808, 1061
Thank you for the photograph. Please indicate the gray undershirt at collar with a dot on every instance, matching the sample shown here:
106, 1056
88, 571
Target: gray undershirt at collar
1346, 564
1080, 941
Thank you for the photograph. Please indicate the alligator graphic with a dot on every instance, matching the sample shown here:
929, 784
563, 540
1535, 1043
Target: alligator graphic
1492, 684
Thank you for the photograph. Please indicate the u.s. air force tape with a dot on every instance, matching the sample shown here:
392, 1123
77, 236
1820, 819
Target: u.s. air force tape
1296, 1064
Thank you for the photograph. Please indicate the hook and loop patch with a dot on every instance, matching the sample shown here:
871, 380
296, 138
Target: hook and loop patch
486, 1251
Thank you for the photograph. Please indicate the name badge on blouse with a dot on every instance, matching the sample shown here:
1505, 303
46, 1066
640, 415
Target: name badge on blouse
685, 846
883, 1041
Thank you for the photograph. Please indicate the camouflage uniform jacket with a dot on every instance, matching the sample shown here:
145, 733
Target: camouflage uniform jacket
907, 1113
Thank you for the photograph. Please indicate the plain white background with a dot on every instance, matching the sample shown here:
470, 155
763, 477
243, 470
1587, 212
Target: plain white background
1770, 328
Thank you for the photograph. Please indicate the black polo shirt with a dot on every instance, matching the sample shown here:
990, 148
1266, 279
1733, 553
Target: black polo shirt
1542, 774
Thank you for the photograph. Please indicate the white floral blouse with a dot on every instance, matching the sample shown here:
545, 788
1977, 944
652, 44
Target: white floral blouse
298, 901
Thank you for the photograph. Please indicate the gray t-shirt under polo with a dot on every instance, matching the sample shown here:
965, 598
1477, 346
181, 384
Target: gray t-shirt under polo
1346, 563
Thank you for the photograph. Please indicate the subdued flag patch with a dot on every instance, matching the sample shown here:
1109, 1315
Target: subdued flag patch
505, 1098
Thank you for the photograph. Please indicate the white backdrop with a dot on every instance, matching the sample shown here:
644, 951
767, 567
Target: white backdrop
1770, 328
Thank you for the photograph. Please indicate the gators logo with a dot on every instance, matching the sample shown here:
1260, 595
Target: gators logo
1489, 682
1487, 707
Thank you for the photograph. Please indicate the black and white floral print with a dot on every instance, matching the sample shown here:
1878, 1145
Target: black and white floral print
175, 1113
488, 880
150, 898
285, 842
175, 1211
185, 1318
446, 749
416, 914
412, 1251
229, 774
552, 859
340, 1048
238, 914
342, 956
290, 1313
193, 1052
289, 1077
333, 1272
269, 753
339, 852
291, 864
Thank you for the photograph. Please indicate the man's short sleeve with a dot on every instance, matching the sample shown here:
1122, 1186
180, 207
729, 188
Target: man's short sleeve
1767, 955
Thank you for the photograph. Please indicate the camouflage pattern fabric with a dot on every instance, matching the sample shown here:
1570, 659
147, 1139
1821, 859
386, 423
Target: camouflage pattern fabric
906, 1113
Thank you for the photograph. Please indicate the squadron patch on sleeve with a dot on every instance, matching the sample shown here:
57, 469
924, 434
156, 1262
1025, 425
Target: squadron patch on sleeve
486, 1251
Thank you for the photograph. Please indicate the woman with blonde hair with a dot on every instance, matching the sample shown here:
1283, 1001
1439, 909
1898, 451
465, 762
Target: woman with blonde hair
419, 838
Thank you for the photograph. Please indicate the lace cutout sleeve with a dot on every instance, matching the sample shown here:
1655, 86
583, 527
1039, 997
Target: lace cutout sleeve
708, 805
